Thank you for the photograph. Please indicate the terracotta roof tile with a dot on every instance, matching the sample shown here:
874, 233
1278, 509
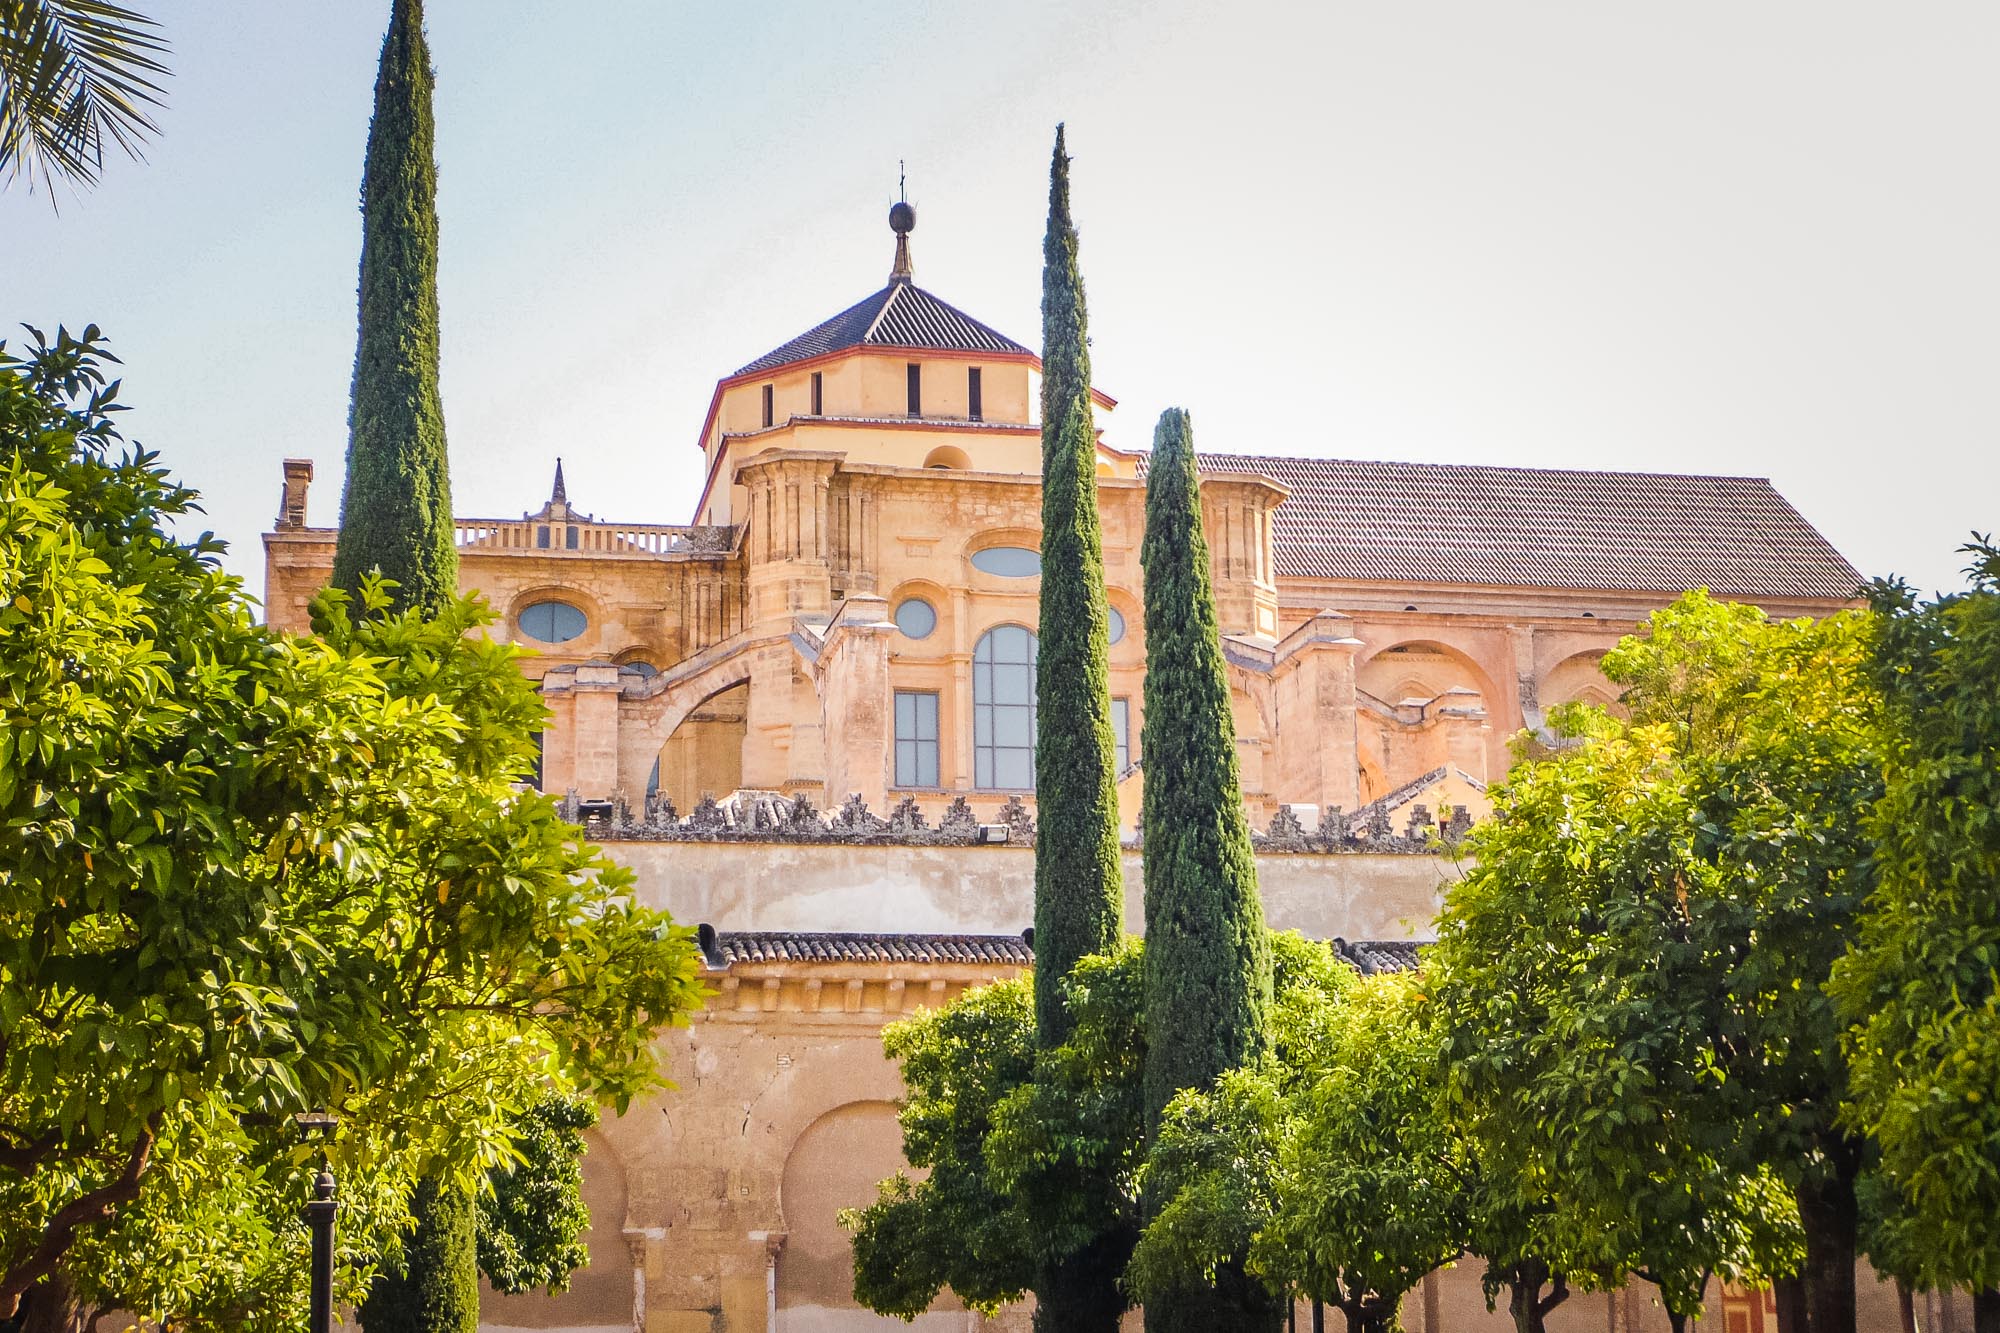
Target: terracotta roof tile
1529, 527
826, 946
1375, 956
900, 315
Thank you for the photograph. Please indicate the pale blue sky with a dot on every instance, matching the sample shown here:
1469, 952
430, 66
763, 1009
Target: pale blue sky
1738, 237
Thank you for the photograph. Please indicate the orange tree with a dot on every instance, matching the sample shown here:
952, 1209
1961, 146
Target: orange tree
1922, 987
1632, 975
244, 876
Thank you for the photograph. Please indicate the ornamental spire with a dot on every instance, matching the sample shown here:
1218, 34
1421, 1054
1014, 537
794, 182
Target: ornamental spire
559, 495
902, 221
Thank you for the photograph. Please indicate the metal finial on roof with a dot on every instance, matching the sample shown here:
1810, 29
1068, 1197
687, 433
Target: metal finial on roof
560, 495
902, 221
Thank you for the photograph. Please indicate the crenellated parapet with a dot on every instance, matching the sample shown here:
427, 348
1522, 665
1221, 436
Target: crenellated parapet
772, 817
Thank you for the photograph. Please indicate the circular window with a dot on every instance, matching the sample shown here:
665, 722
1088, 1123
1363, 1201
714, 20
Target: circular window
1117, 623
916, 618
1009, 562
553, 622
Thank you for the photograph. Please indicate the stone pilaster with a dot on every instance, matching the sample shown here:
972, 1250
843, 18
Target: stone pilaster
580, 743
1236, 517
790, 571
1313, 676
856, 713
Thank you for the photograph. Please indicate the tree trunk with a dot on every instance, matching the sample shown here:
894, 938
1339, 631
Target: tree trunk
1791, 1301
51, 1307
1828, 1213
1081, 1292
1525, 1302
1234, 1303
1319, 1316
1986, 1310
1906, 1306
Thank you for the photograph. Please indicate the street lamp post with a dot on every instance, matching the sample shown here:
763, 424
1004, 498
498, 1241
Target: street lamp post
318, 1216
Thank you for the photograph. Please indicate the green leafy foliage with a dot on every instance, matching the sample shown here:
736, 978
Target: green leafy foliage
1631, 976
950, 1227
436, 1287
76, 77
1329, 1166
1032, 1156
395, 513
1079, 885
244, 876
1369, 1190
1922, 987
1214, 1156
532, 1215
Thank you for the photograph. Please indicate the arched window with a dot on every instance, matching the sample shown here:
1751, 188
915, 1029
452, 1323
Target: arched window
1003, 710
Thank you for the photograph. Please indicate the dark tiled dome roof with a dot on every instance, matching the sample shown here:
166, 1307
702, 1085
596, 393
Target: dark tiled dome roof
900, 315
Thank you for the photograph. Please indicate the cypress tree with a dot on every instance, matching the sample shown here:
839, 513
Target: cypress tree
395, 516
395, 513
1079, 886
1208, 956
438, 1289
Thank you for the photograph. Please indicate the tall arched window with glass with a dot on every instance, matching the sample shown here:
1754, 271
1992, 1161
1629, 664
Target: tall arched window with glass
1003, 710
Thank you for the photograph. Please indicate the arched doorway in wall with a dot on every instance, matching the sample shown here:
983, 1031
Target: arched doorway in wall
704, 756
600, 1294
835, 1164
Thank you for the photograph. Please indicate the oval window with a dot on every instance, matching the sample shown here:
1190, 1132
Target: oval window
553, 622
638, 666
916, 618
1009, 562
1117, 624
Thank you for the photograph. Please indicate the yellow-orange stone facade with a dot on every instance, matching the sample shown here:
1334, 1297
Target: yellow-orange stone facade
757, 649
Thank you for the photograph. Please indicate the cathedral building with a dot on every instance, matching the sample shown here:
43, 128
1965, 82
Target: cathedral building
806, 719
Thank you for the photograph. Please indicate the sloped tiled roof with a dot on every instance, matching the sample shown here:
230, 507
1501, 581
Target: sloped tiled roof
900, 315
1529, 527
1374, 956
826, 946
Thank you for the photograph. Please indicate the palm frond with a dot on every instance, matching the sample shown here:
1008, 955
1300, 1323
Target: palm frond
75, 76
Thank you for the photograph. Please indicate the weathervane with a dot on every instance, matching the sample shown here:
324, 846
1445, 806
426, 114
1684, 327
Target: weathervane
902, 219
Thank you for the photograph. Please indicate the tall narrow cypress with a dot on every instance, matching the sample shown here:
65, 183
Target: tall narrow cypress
395, 513
1208, 956
395, 516
1079, 888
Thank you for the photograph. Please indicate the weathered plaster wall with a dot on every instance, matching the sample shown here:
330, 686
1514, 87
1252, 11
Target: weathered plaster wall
991, 890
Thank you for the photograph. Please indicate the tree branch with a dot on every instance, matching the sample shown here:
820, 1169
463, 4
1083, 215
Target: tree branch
1558, 1293
30, 1154
87, 1209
